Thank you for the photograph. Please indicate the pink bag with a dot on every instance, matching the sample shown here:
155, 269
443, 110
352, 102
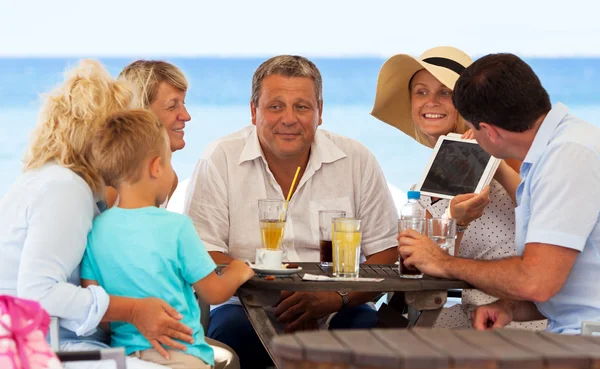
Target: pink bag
23, 328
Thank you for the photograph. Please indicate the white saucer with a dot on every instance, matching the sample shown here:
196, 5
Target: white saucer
259, 269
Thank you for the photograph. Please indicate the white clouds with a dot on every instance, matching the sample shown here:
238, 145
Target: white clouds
309, 27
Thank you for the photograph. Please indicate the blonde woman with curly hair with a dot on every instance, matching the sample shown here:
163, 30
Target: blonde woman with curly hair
47, 213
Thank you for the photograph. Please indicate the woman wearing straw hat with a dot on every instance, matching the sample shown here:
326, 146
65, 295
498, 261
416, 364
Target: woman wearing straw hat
415, 96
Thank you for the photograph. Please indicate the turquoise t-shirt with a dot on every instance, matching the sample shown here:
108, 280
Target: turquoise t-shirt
149, 252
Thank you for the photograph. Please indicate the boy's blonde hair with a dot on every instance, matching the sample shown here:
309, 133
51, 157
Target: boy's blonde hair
147, 75
69, 117
124, 141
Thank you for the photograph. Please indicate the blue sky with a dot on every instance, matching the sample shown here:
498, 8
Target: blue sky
310, 27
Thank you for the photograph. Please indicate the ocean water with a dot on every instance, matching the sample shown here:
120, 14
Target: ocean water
218, 101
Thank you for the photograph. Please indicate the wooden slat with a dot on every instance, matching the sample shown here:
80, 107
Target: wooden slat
385, 270
554, 355
367, 350
368, 271
576, 345
413, 353
461, 354
506, 354
429, 283
594, 339
287, 347
323, 347
435, 348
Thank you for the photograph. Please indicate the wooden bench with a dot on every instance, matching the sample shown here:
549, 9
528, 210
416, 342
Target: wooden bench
422, 348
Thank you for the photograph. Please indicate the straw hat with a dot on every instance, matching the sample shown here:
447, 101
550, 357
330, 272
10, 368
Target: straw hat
392, 100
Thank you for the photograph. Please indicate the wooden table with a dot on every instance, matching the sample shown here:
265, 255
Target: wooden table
425, 297
422, 348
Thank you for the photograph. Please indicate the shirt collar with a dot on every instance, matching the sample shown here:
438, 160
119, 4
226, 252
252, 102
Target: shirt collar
544, 134
252, 149
322, 150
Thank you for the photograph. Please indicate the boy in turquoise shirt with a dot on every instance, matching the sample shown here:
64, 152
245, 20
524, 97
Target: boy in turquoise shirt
140, 250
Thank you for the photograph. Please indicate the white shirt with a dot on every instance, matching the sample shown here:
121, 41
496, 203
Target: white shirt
232, 175
44, 221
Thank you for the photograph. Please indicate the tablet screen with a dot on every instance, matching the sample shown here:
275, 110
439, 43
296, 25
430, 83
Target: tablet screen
456, 169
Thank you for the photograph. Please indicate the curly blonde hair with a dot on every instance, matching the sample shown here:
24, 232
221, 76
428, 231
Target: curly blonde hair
147, 75
69, 116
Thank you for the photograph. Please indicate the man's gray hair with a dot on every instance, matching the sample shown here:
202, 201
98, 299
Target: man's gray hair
287, 66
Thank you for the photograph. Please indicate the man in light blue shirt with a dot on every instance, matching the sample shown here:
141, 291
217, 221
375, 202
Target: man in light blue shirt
556, 272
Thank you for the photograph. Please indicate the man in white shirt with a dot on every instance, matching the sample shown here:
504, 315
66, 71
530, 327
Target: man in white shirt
260, 161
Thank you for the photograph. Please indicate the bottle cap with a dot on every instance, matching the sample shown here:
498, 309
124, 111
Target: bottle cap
413, 195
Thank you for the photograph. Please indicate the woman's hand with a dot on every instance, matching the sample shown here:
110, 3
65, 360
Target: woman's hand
159, 323
468, 207
468, 135
495, 315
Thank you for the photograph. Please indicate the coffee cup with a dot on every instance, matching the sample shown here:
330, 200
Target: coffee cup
268, 259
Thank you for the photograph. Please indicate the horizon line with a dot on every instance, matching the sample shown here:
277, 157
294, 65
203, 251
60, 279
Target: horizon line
262, 56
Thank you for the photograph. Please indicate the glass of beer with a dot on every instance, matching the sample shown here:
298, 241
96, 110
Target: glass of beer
325, 224
443, 232
272, 215
419, 226
346, 247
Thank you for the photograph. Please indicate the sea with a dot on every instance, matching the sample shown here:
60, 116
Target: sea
218, 102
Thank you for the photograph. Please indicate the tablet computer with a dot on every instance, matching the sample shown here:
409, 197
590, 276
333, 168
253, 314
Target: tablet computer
457, 166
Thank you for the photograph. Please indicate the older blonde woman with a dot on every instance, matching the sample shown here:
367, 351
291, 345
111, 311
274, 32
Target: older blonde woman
160, 87
46, 215
415, 96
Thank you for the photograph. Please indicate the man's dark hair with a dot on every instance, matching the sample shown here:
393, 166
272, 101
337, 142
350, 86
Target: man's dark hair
503, 90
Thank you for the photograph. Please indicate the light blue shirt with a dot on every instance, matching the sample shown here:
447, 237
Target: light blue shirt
559, 204
149, 252
44, 221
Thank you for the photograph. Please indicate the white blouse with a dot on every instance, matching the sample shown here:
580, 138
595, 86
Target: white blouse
490, 237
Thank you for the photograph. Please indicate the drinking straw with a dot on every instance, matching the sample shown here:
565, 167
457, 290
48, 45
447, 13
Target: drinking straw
289, 194
292, 187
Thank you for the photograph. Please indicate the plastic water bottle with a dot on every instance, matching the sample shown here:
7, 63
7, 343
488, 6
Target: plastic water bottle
412, 215
413, 208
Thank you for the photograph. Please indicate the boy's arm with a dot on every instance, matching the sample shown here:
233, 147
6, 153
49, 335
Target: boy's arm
88, 282
198, 268
216, 289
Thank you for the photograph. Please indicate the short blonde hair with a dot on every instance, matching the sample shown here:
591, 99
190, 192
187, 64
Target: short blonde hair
69, 117
147, 75
124, 141
287, 66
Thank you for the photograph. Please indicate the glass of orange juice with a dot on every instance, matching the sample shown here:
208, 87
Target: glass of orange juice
272, 214
346, 237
